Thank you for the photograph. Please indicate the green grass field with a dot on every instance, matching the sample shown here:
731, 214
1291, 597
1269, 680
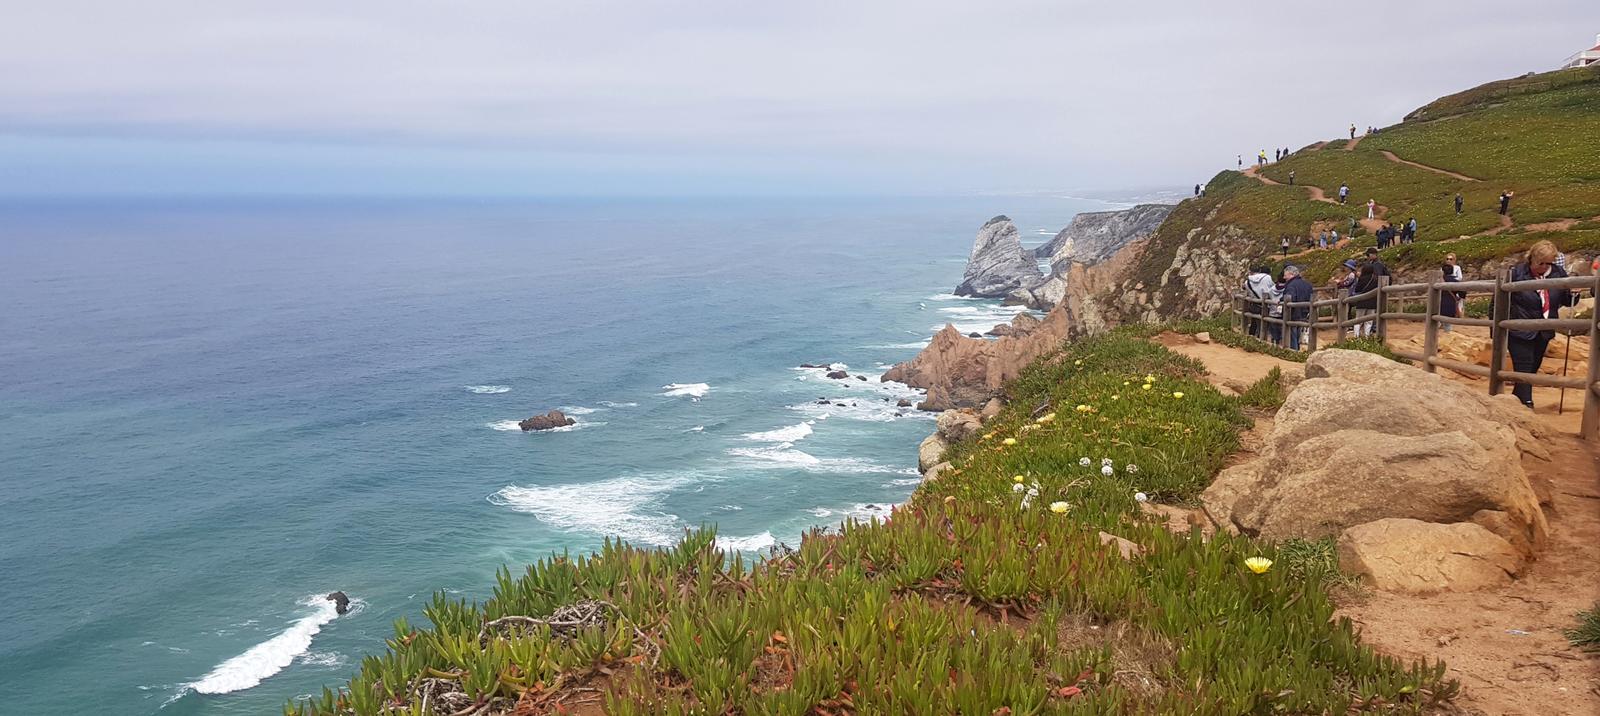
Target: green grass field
990, 592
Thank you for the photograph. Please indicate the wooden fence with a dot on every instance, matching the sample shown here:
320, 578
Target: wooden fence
1391, 301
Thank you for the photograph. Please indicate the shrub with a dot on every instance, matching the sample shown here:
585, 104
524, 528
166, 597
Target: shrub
1586, 635
1267, 393
1370, 344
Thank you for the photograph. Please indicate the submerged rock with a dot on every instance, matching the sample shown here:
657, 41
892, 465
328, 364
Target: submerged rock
998, 264
548, 421
838, 374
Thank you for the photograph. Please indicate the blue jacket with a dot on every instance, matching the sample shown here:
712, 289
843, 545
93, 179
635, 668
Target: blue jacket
1298, 290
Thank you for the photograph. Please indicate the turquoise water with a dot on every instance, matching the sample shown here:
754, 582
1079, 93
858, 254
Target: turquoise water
212, 412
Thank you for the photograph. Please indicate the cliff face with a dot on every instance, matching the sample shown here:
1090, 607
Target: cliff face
998, 264
1091, 238
962, 372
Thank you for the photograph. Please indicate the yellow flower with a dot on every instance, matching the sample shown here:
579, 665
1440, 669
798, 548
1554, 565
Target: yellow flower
1127, 382
949, 499
1017, 479
1077, 362
1116, 397
1009, 441
1177, 394
1149, 379
1059, 507
1259, 565
1047, 417
987, 436
1146, 386
1084, 408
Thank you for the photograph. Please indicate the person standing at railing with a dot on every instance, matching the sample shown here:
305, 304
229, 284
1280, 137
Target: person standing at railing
1259, 285
1296, 289
1449, 303
1366, 281
1528, 347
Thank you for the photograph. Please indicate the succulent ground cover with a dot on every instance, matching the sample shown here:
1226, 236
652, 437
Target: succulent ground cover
995, 590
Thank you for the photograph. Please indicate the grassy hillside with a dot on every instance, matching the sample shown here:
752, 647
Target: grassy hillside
1535, 136
976, 598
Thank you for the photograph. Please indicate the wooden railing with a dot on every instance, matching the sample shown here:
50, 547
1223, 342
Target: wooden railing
1391, 300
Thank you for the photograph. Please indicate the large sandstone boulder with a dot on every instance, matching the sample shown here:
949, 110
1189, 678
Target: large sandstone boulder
931, 452
962, 372
955, 425
998, 264
1402, 555
1476, 349
1364, 438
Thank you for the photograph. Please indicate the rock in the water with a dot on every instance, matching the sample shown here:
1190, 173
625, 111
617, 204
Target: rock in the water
341, 603
1361, 432
998, 264
861, 377
974, 334
838, 374
959, 372
903, 403
955, 425
931, 452
1402, 555
1002, 329
548, 421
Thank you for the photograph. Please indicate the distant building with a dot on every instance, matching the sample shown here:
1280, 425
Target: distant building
1586, 58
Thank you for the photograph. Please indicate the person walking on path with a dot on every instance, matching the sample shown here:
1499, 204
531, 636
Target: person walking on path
1240, 157
1372, 207
1285, 243
1334, 238
1458, 203
1449, 301
1505, 202
1411, 231
1322, 239
1261, 158
1366, 281
1291, 177
1528, 347
1197, 190
1352, 130
1344, 193
1296, 289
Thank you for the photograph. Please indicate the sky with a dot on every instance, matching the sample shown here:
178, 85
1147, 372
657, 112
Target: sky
596, 97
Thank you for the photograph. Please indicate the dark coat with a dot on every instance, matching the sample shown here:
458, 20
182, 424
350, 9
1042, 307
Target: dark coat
1298, 290
1362, 285
1526, 304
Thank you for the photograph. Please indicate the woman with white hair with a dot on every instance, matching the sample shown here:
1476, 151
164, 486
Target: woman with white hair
1527, 347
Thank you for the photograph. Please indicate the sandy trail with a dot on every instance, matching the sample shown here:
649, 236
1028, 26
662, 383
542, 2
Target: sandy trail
1228, 369
1391, 157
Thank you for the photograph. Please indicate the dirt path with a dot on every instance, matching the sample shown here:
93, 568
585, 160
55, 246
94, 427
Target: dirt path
1351, 145
1391, 157
1505, 644
1229, 369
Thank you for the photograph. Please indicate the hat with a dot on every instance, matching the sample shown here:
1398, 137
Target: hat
1349, 263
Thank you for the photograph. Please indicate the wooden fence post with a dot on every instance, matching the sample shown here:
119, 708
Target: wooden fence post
1383, 307
1590, 428
1497, 335
1312, 317
1430, 330
1341, 312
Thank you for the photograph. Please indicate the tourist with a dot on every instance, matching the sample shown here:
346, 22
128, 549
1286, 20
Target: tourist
1197, 190
1348, 280
1261, 158
1333, 238
1276, 155
1458, 203
1449, 301
1372, 209
1527, 347
1296, 289
1411, 230
1260, 286
1364, 307
1285, 242
1291, 177
1344, 192
1376, 263
1240, 157
1505, 202
1203, 190
1352, 130
1322, 239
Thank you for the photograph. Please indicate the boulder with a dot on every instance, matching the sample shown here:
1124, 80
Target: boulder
931, 452
1202, 337
1507, 529
903, 403
1177, 520
838, 374
548, 421
998, 263
959, 372
991, 409
1468, 348
934, 472
1127, 549
1364, 438
1404, 555
341, 602
1001, 329
955, 425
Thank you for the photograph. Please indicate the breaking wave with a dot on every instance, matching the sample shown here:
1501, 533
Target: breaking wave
271, 656
619, 506
488, 389
693, 390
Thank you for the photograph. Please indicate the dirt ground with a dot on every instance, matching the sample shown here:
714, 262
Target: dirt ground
1505, 644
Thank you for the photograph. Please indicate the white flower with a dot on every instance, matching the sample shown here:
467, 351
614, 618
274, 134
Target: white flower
1105, 461
1018, 487
1132, 468
1141, 497
1083, 461
1107, 470
1033, 492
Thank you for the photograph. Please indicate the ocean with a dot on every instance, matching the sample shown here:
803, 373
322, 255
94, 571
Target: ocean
214, 411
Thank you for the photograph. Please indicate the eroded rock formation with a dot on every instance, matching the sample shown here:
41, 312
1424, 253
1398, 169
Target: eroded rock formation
998, 264
962, 372
548, 421
1092, 237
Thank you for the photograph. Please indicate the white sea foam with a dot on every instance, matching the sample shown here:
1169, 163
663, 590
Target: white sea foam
906, 481
793, 433
576, 410
753, 543
783, 455
271, 656
619, 506
978, 318
610, 404
951, 297
488, 389
780, 455
323, 658
693, 390
696, 429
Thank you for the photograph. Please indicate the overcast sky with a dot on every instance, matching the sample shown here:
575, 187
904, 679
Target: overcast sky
707, 96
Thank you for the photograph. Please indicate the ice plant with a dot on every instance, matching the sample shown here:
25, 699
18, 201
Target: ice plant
1017, 479
1177, 394
1083, 461
1146, 386
1083, 408
1132, 468
1259, 565
1059, 507
1107, 470
1105, 461
1009, 441
1141, 497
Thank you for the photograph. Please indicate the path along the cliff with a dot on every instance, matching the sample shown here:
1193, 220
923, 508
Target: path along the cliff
1504, 644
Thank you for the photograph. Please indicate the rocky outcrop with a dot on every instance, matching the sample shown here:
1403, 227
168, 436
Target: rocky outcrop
1476, 349
1091, 238
1364, 438
998, 264
956, 425
962, 372
1094, 236
548, 421
1401, 555
341, 602
931, 452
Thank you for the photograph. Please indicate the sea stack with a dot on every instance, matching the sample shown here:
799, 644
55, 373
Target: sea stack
998, 264
341, 603
548, 421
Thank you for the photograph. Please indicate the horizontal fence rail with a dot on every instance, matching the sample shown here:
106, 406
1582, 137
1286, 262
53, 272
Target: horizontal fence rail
1391, 302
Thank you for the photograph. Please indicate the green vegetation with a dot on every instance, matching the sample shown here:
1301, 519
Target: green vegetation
1313, 560
990, 592
1267, 393
1369, 344
1221, 331
1586, 635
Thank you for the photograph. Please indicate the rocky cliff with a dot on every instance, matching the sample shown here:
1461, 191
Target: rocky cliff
1091, 238
962, 372
998, 264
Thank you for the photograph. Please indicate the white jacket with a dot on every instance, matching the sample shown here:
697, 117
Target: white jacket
1262, 286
